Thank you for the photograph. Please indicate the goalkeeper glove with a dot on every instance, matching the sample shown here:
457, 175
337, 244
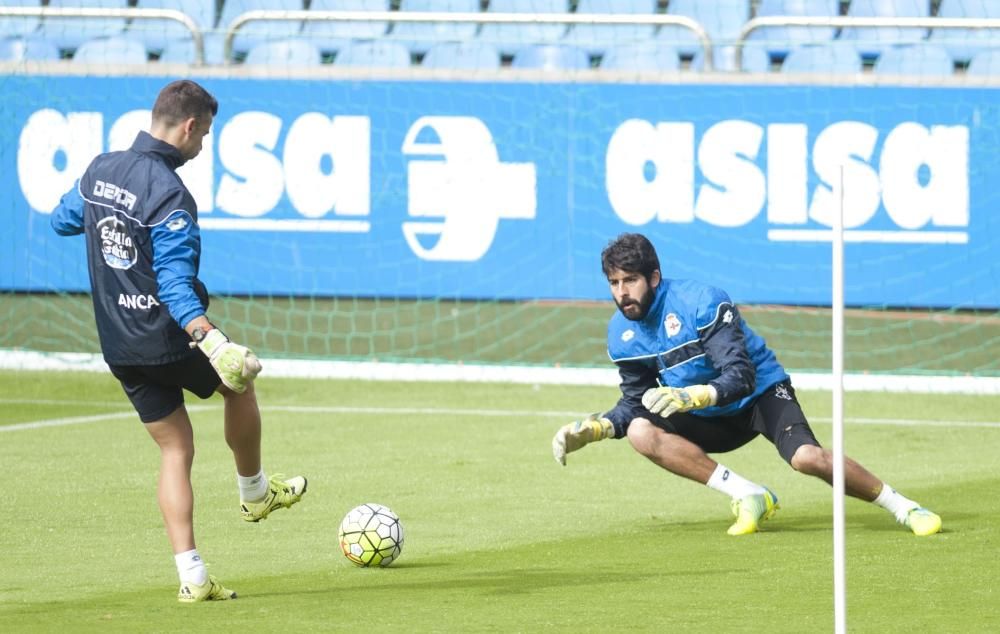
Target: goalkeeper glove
573, 436
236, 365
668, 400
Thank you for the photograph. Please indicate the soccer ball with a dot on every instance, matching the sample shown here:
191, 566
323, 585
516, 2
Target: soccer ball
371, 535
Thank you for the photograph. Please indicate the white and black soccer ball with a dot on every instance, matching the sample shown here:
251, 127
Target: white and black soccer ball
371, 535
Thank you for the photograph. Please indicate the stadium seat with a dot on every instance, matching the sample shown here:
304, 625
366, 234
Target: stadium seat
329, 35
551, 57
111, 50
157, 34
596, 38
963, 44
826, 58
297, 52
419, 36
469, 55
373, 54
985, 63
17, 26
509, 37
262, 30
182, 51
22, 49
915, 59
871, 41
780, 40
755, 59
722, 20
642, 56
69, 33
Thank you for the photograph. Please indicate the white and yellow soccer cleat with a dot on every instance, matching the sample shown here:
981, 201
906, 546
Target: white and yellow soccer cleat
751, 510
922, 522
280, 494
211, 590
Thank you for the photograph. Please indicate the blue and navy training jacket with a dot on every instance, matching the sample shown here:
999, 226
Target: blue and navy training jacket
143, 251
692, 335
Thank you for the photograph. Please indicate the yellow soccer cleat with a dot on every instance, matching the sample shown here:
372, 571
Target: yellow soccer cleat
211, 590
922, 522
751, 510
280, 494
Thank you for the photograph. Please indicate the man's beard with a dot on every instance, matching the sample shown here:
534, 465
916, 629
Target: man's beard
643, 304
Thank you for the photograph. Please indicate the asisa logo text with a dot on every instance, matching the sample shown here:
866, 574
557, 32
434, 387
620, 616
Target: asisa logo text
918, 174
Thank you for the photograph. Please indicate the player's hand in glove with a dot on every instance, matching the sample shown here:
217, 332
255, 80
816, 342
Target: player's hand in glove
236, 365
573, 436
668, 400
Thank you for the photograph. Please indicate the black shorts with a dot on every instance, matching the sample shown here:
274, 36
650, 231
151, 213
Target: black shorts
157, 390
776, 415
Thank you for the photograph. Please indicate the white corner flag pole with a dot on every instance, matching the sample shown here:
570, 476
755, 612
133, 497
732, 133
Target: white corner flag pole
837, 303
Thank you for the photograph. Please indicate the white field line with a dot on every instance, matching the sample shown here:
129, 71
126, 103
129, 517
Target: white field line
442, 411
528, 375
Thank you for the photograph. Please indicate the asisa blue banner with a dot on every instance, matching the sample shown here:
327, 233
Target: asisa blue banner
510, 190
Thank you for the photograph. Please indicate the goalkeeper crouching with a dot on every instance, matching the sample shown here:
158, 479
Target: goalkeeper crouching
695, 379
143, 250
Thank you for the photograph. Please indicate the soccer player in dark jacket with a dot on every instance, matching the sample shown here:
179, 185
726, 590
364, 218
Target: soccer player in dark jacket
143, 252
696, 379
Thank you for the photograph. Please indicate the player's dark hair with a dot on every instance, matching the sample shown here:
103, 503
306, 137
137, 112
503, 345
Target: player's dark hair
183, 99
631, 252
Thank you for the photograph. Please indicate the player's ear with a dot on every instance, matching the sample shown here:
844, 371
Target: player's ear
189, 125
654, 278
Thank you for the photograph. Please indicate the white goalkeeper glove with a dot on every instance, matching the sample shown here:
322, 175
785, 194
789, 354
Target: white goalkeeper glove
669, 400
236, 365
575, 435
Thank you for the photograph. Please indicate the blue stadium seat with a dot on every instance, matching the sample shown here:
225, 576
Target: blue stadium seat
596, 38
825, 58
872, 41
16, 26
182, 51
263, 30
642, 56
755, 59
111, 50
551, 57
157, 34
510, 37
297, 52
780, 40
69, 33
329, 36
915, 59
470, 55
373, 54
962, 44
21, 49
419, 36
985, 63
722, 20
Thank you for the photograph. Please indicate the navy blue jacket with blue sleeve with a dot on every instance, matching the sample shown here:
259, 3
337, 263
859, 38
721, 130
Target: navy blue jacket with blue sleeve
143, 251
692, 335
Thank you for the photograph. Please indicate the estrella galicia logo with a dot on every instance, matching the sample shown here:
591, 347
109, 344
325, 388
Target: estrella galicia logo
463, 191
116, 244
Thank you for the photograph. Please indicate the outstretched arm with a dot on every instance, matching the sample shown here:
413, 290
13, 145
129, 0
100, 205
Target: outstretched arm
67, 217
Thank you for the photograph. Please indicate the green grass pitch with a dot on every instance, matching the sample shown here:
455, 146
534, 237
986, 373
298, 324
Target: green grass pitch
499, 538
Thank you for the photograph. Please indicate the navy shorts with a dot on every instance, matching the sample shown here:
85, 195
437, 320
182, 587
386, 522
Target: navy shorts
157, 390
776, 415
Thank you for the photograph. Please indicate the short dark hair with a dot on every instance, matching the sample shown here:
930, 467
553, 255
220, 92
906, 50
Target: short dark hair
183, 99
631, 252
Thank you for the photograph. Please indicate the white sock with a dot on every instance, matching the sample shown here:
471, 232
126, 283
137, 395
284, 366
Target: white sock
899, 505
732, 484
252, 488
190, 567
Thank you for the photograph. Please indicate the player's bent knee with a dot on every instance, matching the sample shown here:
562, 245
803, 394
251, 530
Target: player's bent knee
640, 435
809, 459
